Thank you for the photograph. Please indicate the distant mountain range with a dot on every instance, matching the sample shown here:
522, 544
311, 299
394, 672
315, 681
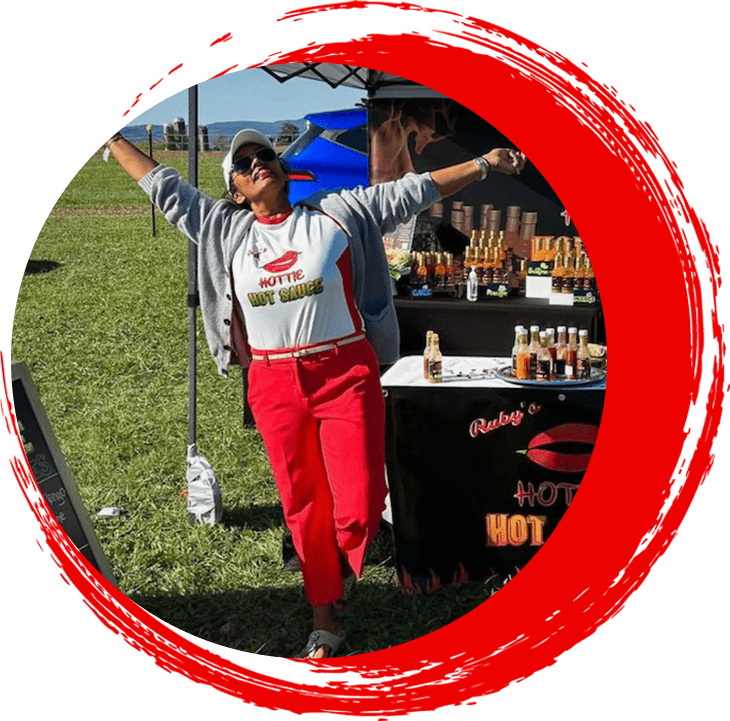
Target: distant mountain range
138, 133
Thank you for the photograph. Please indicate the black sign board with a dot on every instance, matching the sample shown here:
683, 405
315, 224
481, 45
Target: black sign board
51, 473
480, 478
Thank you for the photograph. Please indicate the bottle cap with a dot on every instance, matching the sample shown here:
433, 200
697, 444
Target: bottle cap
561, 329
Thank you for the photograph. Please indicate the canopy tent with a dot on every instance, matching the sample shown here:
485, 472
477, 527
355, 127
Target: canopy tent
381, 86
376, 83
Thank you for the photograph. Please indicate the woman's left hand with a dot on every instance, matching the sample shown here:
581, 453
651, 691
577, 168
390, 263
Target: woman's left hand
506, 160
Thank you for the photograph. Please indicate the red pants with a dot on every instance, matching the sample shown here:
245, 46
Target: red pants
322, 420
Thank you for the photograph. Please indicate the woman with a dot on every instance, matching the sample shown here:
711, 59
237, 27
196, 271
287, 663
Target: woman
303, 295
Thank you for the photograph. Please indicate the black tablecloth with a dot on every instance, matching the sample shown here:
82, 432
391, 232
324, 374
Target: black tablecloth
487, 327
475, 488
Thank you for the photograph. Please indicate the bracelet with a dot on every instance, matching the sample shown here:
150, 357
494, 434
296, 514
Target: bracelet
483, 165
106, 153
113, 139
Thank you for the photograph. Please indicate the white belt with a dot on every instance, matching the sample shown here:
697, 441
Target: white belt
308, 351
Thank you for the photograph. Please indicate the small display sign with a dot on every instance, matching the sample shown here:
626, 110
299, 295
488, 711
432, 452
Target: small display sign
51, 473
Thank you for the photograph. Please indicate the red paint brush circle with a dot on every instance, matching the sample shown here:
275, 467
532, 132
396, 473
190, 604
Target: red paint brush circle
518, 631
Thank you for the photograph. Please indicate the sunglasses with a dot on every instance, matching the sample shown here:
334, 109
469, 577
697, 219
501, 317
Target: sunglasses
243, 164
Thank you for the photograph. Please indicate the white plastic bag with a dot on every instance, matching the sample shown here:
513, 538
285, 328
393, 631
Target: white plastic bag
204, 493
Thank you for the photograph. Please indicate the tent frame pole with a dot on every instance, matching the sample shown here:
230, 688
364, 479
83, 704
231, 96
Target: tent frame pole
193, 300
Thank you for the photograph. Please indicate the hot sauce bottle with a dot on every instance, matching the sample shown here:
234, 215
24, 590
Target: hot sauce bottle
579, 274
519, 329
557, 274
499, 272
568, 273
521, 368
435, 361
589, 279
439, 273
578, 245
549, 249
415, 262
480, 266
427, 352
422, 274
431, 267
463, 273
472, 285
534, 348
522, 278
583, 356
544, 359
561, 353
571, 357
538, 249
450, 272
550, 335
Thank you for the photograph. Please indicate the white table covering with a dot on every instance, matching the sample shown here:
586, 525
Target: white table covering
461, 372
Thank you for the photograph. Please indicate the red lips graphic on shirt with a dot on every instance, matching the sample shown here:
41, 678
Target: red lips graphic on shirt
280, 265
539, 450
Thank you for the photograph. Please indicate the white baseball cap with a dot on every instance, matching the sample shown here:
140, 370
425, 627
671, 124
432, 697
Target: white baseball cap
242, 137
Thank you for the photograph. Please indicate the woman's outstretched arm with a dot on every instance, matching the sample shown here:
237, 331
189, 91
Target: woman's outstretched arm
135, 162
454, 178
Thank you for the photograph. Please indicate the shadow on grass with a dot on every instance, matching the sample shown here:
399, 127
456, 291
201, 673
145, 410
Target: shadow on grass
34, 267
276, 622
256, 518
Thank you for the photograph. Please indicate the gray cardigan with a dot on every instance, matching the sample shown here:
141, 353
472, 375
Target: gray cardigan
219, 226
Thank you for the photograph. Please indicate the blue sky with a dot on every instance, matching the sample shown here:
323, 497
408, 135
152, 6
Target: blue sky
253, 95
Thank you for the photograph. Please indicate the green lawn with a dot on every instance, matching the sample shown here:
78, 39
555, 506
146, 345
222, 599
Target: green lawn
101, 321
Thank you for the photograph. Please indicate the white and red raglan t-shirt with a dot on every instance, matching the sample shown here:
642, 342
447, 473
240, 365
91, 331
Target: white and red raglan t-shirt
293, 280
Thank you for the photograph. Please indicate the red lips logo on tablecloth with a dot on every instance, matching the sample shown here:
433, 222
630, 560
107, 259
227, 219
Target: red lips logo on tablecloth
542, 451
281, 265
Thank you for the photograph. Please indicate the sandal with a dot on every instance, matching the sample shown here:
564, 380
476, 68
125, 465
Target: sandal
348, 593
317, 639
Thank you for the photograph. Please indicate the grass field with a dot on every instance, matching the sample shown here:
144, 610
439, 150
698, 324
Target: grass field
101, 322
